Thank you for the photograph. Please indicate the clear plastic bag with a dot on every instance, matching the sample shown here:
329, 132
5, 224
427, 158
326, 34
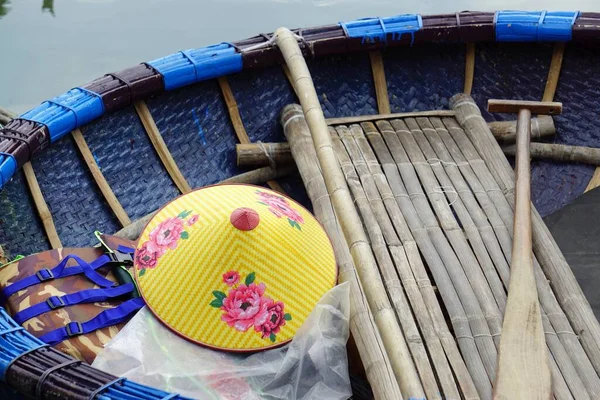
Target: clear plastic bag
313, 366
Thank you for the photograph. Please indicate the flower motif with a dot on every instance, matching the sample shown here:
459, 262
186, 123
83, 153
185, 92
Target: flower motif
275, 320
167, 233
193, 220
280, 207
231, 278
147, 256
245, 306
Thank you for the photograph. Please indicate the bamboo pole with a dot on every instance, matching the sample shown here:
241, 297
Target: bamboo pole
554, 71
390, 277
410, 270
393, 339
470, 163
107, 192
560, 152
383, 100
471, 329
523, 364
260, 154
260, 175
570, 297
161, 147
362, 323
469, 68
468, 185
506, 131
41, 206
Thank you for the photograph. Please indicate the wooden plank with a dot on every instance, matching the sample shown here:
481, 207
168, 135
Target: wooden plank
554, 71
469, 68
513, 106
377, 117
236, 120
161, 148
383, 100
103, 185
41, 206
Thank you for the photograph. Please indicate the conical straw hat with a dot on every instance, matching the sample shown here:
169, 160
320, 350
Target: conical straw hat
234, 267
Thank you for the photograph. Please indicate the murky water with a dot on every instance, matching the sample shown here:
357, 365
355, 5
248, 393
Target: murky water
48, 47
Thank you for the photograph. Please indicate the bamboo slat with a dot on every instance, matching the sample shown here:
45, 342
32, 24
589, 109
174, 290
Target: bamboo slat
260, 175
103, 185
236, 120
554, 71
377, 117
472, 333
475, 169
388, 273
41, 206
563, 282
410, 269
362, 324
343, 205
161, 147
523, 363
469, 68
383, 100
560, 152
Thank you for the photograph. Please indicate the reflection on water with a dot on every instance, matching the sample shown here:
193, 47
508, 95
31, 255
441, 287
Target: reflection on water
47, 6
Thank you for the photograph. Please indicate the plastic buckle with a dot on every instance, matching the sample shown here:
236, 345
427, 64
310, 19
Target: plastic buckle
74, 325
48, 275
120, 257
55, 302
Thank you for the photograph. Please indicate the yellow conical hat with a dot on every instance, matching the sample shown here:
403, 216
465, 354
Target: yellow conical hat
234, 267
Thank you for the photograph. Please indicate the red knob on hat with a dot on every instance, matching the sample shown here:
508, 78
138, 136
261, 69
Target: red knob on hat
244, 218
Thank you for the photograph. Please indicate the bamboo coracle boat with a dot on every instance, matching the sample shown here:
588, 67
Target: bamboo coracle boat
379, 126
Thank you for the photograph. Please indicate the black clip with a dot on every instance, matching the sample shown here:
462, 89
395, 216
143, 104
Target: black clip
71, 332
41, 277
120, 257
55, 302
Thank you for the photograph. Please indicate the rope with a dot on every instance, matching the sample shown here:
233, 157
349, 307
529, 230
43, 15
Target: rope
271, 42
270, 157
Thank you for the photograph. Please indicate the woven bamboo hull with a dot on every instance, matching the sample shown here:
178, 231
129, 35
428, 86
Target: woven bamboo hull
196, 126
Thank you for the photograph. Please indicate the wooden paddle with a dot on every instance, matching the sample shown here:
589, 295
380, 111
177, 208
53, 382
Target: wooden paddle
523, 363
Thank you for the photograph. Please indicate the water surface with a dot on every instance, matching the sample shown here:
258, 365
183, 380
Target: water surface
48, 47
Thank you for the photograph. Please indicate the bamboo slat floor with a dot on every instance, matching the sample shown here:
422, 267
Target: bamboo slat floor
432, 208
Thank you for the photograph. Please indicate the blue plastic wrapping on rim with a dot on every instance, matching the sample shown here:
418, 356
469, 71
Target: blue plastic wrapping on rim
373, 29
195, 65
67, 112
8, 167
532, 26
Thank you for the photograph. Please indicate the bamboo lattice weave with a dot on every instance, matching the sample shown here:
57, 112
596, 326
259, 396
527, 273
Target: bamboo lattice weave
435, 214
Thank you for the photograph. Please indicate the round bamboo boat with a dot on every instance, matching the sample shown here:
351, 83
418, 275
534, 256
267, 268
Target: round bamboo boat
106, 155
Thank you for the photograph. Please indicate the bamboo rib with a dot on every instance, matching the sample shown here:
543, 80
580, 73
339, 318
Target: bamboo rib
260, 175
561, 276
391, 187
407, 259
556, 315
41, 206
161, 147
377, 66
469, 68
469, 187
362, 324
393, 339
560, 152
107, 192
236, 120
554, 71
386, 267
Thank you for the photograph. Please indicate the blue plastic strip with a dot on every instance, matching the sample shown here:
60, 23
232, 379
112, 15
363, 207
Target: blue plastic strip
60, 272
191, 66
8, 167
64, 113
106, 318
81, 297
534, 26
372, 30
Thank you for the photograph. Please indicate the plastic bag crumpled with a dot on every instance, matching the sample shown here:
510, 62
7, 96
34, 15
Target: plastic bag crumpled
313, 365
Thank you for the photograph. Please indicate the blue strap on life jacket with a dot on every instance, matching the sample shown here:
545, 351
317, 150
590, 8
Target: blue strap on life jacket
106, 318
123, 254
81, 297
